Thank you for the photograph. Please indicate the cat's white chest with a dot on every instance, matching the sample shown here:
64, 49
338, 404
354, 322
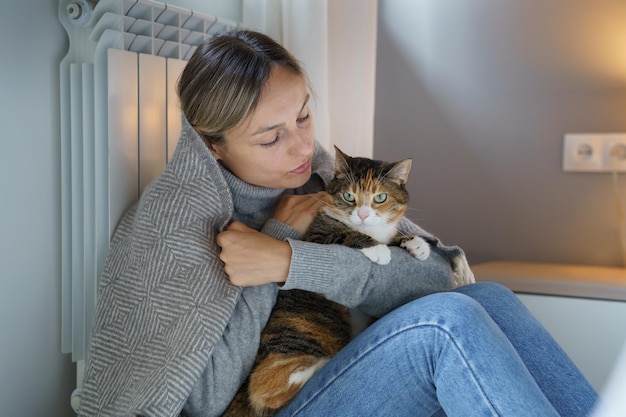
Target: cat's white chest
381, 232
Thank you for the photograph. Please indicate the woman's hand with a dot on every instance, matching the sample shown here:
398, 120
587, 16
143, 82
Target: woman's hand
251, 257
298, 211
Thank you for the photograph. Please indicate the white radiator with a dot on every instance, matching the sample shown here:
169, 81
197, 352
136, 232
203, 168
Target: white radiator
119, 126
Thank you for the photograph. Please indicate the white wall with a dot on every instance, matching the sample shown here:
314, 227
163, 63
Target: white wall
35, 378
480, 93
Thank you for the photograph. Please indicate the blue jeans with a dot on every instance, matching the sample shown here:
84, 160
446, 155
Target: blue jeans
476, 351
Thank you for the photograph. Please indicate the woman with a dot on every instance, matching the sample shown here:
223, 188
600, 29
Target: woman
195, 268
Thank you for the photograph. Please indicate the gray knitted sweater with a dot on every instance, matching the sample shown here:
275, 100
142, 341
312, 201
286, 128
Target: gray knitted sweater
170, 331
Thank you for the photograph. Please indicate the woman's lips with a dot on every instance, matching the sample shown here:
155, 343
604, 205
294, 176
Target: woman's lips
302, 168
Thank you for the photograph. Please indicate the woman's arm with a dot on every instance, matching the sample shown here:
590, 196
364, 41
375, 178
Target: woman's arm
342, 274
251, 257
346, 276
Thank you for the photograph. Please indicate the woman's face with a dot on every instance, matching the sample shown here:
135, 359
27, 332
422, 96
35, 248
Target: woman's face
273, 146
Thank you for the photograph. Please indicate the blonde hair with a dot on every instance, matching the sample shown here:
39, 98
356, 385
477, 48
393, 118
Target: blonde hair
224, 78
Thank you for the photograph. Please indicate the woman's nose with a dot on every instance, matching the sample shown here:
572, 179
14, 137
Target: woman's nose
305, 141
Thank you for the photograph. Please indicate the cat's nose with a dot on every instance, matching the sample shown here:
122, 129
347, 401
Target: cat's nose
363, 213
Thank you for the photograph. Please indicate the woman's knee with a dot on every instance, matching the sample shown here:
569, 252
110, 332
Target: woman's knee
491, 295
444, 309
485, 289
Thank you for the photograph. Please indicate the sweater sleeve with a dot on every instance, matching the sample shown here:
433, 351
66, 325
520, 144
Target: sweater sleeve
347, 276
279, 230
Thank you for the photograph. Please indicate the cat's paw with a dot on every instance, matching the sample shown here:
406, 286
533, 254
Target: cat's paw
417, 247
379, 254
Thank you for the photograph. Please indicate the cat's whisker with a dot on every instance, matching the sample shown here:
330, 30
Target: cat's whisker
405, 235
412, 209
416, 220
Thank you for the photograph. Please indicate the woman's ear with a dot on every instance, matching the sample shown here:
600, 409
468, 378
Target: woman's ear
212, 147
214, 150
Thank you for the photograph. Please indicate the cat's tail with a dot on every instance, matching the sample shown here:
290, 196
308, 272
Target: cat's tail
278, 378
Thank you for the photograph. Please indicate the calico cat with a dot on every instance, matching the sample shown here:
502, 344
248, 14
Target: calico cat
364, 203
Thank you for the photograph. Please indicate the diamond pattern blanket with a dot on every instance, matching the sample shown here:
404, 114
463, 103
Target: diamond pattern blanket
158, 317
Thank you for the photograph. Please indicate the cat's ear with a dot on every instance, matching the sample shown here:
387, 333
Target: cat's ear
341, 161
400, 171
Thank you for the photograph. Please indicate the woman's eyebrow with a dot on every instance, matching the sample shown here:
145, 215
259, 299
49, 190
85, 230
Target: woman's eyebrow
268, 128
276, 126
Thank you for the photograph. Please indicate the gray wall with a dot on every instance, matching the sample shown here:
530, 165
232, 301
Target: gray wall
480, 93
35, 378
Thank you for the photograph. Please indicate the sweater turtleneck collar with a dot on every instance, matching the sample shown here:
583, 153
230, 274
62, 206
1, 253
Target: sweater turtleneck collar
252, 203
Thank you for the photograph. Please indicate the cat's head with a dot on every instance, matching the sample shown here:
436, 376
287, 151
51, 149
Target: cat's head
367, 193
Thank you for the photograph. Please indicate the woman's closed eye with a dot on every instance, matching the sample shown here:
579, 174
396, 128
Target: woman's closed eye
272, 143
304, 118
301, 120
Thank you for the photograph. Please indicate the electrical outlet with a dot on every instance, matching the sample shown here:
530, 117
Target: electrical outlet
594, 152
582, 152
614, 152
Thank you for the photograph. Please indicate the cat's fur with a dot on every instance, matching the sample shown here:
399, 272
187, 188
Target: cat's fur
365, 201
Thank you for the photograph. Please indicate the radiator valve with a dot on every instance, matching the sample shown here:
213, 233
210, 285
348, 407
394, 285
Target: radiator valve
79, 12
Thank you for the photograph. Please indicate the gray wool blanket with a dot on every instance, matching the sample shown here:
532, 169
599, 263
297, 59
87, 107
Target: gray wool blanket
164, 299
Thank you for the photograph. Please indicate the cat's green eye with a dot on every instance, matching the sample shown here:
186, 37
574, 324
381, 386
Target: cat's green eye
349, 197
380, 198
